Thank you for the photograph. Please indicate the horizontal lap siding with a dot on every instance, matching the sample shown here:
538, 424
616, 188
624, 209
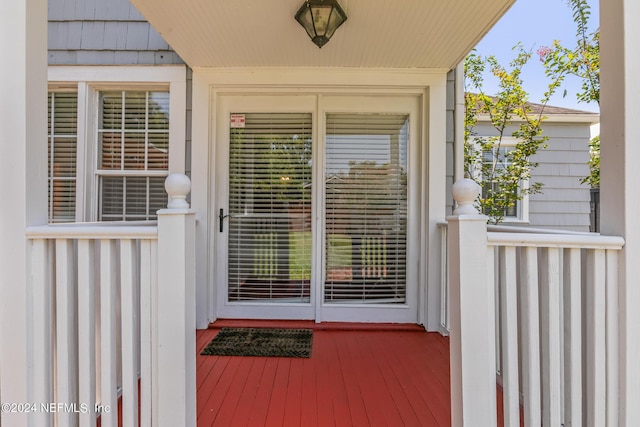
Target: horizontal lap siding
93, 32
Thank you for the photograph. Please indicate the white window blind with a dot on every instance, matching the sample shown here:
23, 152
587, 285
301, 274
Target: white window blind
366, 208
133, 154
62, 143
269, 253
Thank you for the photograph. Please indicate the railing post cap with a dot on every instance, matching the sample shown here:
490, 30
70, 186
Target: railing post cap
177, 186
465, 192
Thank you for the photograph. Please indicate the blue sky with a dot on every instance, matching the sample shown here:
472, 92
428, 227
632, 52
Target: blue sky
536, 23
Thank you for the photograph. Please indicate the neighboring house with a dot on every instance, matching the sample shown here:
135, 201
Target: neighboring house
319, 186
564, 202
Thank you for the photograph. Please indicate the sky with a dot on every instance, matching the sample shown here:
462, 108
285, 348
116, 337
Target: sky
536, 23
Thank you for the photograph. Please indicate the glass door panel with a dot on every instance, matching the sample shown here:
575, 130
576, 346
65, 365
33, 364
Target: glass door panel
366, 208
269, 243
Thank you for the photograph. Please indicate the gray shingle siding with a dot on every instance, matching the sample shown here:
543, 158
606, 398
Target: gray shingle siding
564, 201
104, 32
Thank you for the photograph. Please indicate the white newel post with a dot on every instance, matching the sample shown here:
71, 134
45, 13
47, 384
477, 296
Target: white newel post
472, 309
176, 311
25, 318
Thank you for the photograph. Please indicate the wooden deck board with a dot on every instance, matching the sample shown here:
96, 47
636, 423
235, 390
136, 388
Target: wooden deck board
354, 377
277, 405
367, 377
259, 408
293, 410
379, 404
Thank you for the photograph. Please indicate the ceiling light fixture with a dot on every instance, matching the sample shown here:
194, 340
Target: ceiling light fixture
320, 19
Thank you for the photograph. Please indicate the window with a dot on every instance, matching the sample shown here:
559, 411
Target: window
494, 160
133, 154
62, 150
112, 142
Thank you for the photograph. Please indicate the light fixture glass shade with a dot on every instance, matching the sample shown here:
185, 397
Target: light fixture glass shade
320, 19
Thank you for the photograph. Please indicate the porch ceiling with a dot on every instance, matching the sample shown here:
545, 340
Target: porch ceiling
378, 33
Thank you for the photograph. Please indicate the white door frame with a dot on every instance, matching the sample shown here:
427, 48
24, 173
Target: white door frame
430, 84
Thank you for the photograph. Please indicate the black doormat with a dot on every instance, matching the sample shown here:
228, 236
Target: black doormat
260, 342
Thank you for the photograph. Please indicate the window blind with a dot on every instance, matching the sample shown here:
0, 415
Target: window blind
62, 149
269, 253
366, 208
133, 158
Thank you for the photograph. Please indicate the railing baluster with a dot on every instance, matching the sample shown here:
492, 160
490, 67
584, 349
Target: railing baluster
530, 337
509, 324
572, 337
146, 376
130, 336
612, 337
491, 281
108, 331
41, 345
550, 316
596, 338
66, 369
155, 413
86, 331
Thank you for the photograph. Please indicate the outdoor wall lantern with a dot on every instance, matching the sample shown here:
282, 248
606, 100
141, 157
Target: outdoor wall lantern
320, 19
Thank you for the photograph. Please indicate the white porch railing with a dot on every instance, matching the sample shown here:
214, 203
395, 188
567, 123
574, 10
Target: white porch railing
551, 314
103, 296
92, 286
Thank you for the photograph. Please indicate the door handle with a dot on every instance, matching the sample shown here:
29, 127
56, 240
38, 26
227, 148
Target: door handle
221, 217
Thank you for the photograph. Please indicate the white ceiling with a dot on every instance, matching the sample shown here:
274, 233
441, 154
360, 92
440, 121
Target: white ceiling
377, 33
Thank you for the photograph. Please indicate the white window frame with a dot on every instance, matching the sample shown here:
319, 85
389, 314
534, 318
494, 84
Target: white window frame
522, 206
88, 81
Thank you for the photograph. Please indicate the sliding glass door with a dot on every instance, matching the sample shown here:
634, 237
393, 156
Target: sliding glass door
314, 208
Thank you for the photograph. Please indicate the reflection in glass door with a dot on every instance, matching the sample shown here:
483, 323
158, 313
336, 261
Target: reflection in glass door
269, 218
366, 208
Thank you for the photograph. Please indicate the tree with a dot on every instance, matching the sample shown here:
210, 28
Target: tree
582, 61
499, 171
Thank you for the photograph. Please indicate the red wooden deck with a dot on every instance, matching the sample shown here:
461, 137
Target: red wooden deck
356, 376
